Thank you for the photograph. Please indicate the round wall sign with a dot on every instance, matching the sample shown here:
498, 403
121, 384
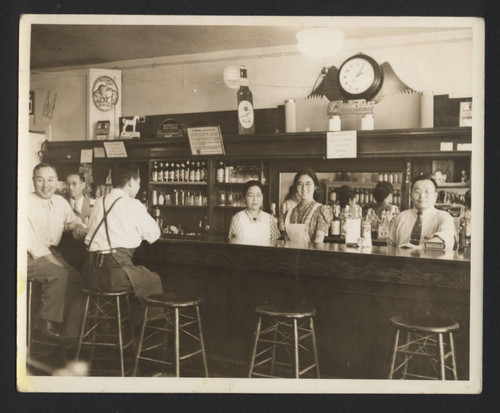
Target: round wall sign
105, 93
232, 77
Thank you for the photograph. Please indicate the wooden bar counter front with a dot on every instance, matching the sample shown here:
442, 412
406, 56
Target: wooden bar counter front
354, 290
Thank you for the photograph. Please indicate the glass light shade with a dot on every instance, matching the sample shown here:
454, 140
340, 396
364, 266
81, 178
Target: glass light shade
320, 42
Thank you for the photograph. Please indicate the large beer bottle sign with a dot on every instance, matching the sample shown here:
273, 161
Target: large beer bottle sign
245, 105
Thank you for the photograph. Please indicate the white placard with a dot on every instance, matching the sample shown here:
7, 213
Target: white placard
99, 152
115, 149
341, 144
446, 146
205, 140
86, 155
464, 146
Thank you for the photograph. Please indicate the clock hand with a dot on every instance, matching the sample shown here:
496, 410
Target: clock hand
361, 70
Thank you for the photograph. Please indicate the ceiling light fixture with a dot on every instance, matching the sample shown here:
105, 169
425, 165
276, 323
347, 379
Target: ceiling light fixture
320, 42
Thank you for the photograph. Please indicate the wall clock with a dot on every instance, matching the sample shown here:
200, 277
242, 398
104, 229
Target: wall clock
105, 93
360, 77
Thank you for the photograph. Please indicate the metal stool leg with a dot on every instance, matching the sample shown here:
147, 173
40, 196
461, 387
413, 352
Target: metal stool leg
296, 348
141, 338
254, 351
177, 349
28, 338
394, 353
442, 370
82, 330
202, 344
315, 350
407, 358
120, 335
273, 351
452, 349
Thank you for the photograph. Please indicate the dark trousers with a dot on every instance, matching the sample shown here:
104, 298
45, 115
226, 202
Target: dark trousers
62, 296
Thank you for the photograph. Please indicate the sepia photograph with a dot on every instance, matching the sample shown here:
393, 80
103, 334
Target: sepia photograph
250, 204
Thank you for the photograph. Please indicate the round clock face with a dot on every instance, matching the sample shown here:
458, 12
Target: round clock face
360, 77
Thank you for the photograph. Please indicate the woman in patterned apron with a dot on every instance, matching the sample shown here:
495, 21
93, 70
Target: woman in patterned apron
309, 220
252, 225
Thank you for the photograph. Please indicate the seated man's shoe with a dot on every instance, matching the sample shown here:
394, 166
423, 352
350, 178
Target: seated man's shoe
49, 328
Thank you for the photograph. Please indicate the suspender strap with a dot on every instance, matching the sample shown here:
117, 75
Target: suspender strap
103, 220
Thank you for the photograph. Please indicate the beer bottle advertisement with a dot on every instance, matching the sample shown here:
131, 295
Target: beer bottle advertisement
245, 105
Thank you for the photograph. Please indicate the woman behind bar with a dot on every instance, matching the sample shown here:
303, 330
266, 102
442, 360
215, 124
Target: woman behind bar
252, 224
309, 220
383, 196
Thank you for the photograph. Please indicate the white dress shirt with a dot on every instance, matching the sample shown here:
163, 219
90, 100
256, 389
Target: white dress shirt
434, 223
47, 219
128, 223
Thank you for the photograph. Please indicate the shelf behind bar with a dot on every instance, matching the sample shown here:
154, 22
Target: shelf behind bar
388, 143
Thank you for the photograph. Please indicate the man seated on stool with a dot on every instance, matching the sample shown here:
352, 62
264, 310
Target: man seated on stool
117, 226
75, 251
423, 223
48, 215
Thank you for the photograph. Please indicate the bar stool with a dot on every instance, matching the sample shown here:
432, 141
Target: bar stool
44, 345
425, 338
284, 327
181, 315
107, 324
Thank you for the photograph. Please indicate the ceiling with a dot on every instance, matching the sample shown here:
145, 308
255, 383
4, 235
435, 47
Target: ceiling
54, 46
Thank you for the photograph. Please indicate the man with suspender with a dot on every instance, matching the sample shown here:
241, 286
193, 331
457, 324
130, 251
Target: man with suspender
117, 226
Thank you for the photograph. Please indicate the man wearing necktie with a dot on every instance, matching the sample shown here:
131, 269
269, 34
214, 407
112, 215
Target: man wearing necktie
74, 250
422, 223
48, 216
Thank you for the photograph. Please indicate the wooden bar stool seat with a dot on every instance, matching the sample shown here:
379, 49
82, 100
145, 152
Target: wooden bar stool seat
425, 339
181, 316
279, 336
107, 327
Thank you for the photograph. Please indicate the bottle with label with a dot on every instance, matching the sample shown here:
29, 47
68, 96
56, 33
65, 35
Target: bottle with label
465, 229
177, 172
203, 172
273, 213
166, 172
246, 122
187, 172
227, 172
383, 227
335, 225
197, 173
154, 198
161, 199
154, 172
182, 172
220, 173
171, 172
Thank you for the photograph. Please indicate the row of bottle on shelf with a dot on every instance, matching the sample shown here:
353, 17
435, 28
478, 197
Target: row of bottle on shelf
229, 172
365, 197
451, 197
178, 197
177, 229
179, 171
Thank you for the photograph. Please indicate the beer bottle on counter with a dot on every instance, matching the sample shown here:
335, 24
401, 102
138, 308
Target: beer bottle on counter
335, 225
154, 173
246, 122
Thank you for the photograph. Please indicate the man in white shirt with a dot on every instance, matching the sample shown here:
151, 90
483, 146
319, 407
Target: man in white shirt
48, 215
117, 226
413, 227
74, 251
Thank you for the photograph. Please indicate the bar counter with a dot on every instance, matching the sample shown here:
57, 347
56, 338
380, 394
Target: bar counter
354, 290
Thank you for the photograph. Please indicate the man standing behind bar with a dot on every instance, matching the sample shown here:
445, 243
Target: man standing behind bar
413, 227
48, 215
117, 226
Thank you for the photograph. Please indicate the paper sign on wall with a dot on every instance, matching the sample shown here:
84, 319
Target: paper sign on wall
341, 144
115, 149
206, 140
86, 155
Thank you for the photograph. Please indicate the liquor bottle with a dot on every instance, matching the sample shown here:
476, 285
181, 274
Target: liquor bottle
366, 230
335, 225
197, 173
464, 229
192, 172
383, 227
160, 172
182, 172
171, 173
220, 172
227, 172
177, 172
273, 213
246, 122
154, 173
187, 172
154, 198
161, 199
203, 172
166, 172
